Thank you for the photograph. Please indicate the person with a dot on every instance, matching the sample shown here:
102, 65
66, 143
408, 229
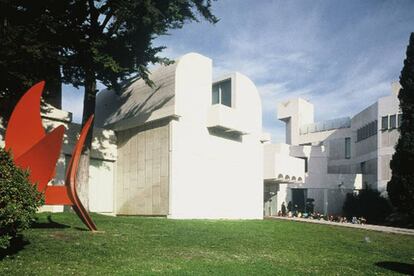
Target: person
354, 220
289, 206
283, 209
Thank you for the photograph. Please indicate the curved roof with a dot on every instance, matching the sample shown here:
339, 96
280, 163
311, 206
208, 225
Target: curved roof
138, 103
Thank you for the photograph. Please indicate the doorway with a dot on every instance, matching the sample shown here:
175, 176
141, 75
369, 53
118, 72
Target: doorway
270, 199
299, 200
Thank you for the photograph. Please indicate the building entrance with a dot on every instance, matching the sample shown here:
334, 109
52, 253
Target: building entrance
299, 200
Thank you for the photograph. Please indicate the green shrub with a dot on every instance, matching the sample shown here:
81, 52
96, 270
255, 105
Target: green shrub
369, 204
19, 199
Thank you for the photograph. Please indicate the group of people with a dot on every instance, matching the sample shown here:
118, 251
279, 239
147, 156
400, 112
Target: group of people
289, 212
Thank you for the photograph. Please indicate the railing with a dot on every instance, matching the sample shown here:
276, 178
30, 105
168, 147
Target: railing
344, 122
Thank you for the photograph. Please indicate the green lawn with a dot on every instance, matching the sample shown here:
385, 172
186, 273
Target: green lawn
137, 245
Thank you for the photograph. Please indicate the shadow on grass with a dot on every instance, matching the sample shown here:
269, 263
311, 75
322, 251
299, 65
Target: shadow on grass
16, 244
81, 229
49, 224
403, 268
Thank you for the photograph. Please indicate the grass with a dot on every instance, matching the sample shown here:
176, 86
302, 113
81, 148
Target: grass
137, 245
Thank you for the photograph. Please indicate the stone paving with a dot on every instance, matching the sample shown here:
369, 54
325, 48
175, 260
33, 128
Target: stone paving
386, 229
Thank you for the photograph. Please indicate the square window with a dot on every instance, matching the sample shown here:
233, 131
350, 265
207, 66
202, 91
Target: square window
384, 123
393, 121
221, 93
363, 167
347, 147
216, 94
225, 87
306, 163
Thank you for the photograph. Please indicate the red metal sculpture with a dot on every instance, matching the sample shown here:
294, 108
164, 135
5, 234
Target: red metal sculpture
38, 152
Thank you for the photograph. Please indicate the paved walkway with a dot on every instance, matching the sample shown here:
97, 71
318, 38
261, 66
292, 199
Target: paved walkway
372, 227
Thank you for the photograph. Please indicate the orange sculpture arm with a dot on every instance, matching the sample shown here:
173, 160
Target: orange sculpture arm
38, 152
31, 147
25, 125
71, 178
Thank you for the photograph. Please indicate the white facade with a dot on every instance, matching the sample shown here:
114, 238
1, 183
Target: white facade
343, 154
202, 160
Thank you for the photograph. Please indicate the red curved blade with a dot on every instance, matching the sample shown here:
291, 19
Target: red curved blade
71, 178
25, 125
42, 157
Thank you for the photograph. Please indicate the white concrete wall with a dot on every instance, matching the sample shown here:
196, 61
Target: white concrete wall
279, 165
213, 176
295, 112
101, 186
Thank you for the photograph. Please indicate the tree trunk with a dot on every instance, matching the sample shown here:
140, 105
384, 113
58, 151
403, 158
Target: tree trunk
88, 110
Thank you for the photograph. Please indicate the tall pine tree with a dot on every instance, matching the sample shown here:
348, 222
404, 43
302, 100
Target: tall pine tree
81, 42
401, 186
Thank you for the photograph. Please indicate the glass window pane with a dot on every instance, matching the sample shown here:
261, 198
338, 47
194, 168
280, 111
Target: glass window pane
384, 122
347, 147
225, 88
363, 167
393, 121
374, 127
216, 94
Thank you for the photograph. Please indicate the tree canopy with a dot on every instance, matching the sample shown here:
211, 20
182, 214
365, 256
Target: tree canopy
81, 41
401, 186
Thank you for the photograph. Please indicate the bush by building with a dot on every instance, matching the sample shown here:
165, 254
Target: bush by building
19, 199
368, 204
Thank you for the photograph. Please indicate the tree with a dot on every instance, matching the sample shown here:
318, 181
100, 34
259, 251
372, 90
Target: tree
367, 203
401, 186
29, 52
107, 41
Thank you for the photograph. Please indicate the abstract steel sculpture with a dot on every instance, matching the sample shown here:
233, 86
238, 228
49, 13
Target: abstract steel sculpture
38, 152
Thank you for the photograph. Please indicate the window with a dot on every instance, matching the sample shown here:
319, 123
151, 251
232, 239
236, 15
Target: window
399, 120
222, 93
373, 128
216, 95
363, 167
306, 163
367, 131
347, 147
384, 123
393, 121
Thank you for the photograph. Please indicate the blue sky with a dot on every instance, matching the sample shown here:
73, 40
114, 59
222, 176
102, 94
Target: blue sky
340, 55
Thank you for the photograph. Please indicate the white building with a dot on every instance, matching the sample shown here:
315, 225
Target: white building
191, 147
341, 155
188, 147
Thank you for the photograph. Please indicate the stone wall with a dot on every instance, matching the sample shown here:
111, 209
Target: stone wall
143, 170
